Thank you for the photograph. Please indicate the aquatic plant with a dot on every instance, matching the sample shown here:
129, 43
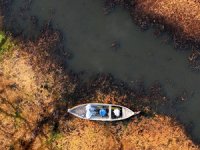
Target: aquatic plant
6, 44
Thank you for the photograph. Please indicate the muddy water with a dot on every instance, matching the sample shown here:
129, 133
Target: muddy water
89, 34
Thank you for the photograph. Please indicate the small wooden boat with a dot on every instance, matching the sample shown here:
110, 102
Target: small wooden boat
102, 112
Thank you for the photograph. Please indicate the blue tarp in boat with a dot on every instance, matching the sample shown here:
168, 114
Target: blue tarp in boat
102, 112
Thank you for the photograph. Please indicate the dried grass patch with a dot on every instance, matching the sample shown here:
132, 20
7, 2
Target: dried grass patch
182, 14
156, 133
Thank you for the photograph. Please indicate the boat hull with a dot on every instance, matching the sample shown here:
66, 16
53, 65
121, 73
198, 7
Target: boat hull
80, 111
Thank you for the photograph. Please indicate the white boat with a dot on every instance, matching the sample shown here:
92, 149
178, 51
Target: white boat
102, 112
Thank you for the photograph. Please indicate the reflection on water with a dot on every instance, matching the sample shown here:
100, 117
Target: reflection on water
89, 34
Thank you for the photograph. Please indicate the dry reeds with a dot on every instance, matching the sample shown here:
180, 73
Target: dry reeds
184, 15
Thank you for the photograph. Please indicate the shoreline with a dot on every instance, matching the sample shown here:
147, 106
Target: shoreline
146, 16
147, 19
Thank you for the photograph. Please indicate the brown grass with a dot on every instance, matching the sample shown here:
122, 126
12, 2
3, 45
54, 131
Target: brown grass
86, 135
183, 14
157, 133
16, 66
27, 94
14, 125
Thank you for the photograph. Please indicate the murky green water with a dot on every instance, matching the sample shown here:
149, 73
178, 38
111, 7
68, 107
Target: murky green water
88, 34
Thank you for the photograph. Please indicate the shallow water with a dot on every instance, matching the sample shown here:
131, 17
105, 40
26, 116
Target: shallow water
88, 34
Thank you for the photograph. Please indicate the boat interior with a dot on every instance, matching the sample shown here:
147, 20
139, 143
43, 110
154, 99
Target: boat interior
108, 109
113, 116
97, 109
